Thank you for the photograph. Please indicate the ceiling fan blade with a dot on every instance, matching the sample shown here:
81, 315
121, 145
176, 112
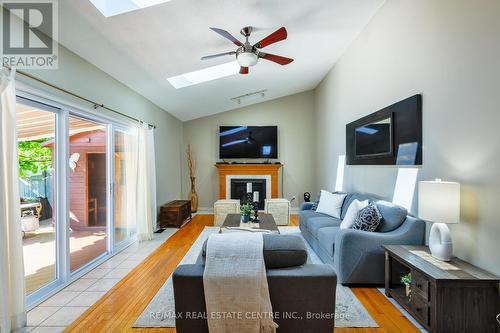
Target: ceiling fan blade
227, 35
217, 55
275, 58
276, 36
243, 70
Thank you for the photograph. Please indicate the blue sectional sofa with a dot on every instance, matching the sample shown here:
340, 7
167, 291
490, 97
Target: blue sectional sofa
356, 255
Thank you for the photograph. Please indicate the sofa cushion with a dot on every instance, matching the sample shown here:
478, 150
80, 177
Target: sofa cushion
330, 203
392, 216
307, 214
316, 223
326, 238
353, 196
280, 251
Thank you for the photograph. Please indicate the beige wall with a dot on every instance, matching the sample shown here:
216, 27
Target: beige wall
294, 116
77, 75
449, 51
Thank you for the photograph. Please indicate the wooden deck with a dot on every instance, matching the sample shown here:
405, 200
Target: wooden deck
119, 308
40, 253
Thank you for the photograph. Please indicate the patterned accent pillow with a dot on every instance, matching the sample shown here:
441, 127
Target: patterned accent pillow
368, 218
315, 205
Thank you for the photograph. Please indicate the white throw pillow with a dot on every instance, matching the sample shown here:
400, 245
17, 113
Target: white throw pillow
330, 203
352, 212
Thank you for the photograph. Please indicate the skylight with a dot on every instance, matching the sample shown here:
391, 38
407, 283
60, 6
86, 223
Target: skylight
204, 75
110, 8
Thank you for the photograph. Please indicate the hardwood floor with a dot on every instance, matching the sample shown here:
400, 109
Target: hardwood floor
119, 308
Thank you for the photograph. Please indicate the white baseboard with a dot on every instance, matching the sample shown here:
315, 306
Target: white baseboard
210, 210
204, 210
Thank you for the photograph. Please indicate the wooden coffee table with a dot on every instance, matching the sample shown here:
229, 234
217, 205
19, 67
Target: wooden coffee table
266, 222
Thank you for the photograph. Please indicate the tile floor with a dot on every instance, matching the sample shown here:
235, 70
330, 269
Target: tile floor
60, 310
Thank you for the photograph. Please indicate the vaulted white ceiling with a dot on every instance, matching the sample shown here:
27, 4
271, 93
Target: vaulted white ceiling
143, 47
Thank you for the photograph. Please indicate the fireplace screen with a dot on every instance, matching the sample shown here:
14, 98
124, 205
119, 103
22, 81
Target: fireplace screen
239, 189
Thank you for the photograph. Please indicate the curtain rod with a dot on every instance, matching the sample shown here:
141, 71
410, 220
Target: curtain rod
95, 104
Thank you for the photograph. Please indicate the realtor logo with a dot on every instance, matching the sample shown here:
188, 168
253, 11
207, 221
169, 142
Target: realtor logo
29, 34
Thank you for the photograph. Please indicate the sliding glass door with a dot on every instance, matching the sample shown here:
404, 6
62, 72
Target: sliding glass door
77, 178
88, 212
36, 130
124, 184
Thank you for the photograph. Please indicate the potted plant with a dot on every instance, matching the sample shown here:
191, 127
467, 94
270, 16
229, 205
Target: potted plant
246, 210
406, 280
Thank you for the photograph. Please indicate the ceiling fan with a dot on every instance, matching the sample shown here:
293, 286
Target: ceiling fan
247, 55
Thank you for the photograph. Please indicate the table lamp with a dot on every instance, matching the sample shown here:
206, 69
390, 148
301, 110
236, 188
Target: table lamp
439, 202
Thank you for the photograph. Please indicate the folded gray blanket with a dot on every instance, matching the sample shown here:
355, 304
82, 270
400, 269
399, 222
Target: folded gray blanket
235, 284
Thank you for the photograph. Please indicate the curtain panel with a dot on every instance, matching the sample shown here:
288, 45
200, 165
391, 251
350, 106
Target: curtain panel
12, 283
146, 183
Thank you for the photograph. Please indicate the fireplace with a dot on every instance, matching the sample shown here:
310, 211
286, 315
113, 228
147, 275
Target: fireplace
249, 172
239, 189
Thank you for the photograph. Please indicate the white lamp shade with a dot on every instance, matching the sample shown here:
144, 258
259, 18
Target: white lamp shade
247, 59
439, 201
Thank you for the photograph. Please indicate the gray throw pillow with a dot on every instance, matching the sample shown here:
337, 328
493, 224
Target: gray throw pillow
392, 216
368, 218
280, 251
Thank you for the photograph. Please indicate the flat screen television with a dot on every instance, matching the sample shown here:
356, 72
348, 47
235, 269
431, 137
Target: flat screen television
248, 142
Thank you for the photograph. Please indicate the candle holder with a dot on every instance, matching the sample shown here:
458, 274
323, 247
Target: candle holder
255, 218
249, 198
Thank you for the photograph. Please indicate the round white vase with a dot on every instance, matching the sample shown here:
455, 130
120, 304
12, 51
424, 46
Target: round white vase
440, 242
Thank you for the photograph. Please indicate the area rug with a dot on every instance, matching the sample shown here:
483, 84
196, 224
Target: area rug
160, 312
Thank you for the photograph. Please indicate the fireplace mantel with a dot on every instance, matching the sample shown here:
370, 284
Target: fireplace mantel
248, 169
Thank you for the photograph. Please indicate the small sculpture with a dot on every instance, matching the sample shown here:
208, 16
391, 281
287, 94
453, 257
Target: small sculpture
255, 218
307, 197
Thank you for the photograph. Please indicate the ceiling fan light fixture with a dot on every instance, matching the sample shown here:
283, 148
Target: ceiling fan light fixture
247, 59
247, 55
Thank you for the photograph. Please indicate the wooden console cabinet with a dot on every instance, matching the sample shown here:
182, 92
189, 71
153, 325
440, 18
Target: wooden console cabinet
444, 297
175, 213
